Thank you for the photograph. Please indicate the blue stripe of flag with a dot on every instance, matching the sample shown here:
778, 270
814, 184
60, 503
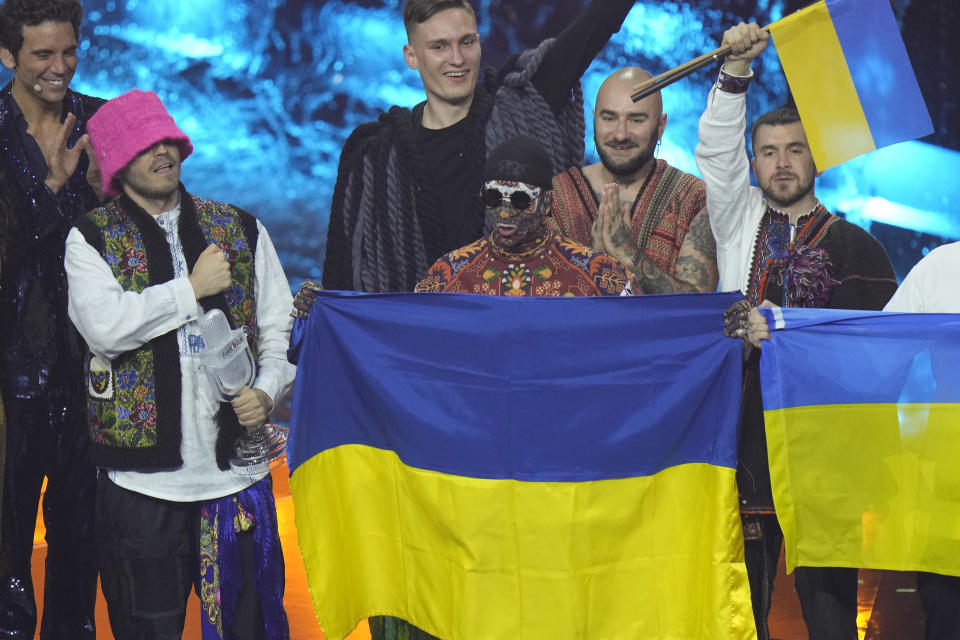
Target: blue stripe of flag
843, 357
539, 389
881, 70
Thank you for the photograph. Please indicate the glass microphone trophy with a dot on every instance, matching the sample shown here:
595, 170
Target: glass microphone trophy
229, 367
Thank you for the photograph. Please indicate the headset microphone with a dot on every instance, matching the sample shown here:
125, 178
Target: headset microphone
37, 88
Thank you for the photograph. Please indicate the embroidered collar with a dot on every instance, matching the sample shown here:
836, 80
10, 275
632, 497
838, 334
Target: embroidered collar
772, 208
168, 217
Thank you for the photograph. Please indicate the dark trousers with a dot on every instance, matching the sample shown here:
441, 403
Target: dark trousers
149, 560
48, 437
940, 597
390, 628
828, 596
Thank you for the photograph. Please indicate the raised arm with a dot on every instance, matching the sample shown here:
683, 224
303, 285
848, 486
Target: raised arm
62, 160
721, 154
577, 46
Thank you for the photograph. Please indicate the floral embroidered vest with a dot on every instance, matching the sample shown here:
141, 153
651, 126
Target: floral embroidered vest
134, 400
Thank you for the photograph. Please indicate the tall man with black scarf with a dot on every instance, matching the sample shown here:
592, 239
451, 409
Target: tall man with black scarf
407, 183
142, 269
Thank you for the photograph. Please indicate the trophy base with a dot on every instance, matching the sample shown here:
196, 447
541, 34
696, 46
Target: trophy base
257, 448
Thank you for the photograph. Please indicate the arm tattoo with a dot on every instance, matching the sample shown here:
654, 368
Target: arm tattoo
621, 237
690, 273
697, 261
693, 271
653, 279
702, 236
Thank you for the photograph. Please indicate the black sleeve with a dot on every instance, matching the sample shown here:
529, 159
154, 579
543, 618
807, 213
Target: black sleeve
338, 258
91, 234
866, 277
576, 48
9, 227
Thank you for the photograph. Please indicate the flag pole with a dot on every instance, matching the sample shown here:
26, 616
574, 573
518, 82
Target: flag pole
657, 83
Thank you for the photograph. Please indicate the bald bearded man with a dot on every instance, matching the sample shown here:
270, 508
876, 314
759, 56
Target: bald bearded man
648, 215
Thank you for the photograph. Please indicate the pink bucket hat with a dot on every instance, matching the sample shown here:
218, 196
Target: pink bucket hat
126, 126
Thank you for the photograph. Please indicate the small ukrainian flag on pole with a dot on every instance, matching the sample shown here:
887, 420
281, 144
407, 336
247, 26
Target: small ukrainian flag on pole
850, 77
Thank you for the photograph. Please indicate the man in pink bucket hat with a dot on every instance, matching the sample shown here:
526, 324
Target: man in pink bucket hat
142, 268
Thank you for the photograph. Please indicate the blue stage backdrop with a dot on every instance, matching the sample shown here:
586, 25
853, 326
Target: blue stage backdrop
269, 90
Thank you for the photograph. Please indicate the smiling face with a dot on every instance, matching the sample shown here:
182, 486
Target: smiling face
784, 166
626, 132
46, 61
152, 178
445, 49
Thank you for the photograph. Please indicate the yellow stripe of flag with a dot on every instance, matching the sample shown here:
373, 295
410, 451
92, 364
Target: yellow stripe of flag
822, 87
656, 556
868, 485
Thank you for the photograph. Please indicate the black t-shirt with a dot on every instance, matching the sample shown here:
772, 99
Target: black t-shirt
449, 171
443, 149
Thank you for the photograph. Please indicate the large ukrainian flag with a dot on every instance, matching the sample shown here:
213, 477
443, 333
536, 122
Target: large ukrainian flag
850, 77
862, 415
491, 468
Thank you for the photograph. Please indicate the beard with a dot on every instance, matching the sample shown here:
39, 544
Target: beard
786, 197
150, 189
629, 166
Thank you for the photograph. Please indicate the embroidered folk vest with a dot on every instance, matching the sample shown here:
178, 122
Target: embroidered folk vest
134, 400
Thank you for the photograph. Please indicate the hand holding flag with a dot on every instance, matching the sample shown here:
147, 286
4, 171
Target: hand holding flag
745, 42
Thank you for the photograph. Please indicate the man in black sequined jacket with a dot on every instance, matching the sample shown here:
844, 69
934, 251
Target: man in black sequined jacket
43, 137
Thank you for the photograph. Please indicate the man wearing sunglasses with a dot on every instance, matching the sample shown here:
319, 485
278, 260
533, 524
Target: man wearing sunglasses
521, 256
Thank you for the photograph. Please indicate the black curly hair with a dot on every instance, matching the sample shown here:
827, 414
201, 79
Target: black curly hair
17, 14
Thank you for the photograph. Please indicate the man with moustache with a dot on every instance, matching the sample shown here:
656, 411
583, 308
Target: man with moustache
42, 137
648, 215
407, 184
780, 247
142, 269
